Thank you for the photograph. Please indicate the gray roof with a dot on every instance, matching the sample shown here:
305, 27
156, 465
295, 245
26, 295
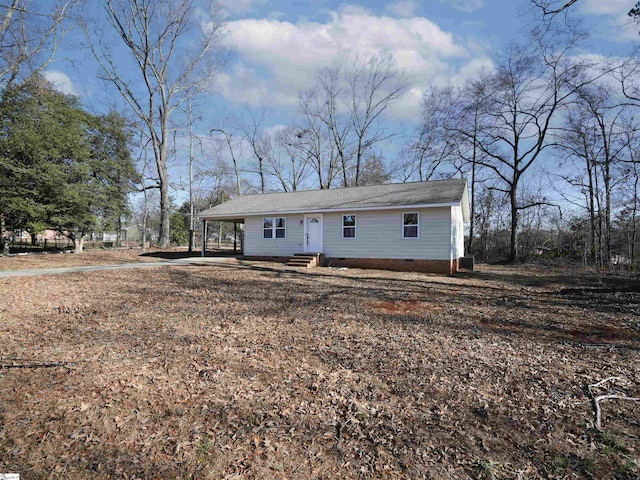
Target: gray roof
438, 192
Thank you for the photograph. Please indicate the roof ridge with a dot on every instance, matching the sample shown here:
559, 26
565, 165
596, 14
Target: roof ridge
352, 187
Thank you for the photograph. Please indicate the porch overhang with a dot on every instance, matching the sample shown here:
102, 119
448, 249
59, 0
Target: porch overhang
221, 218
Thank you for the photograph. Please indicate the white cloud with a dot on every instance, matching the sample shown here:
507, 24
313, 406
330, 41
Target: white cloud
617, 25
625, 30
61, 82
402, 8
606, 7
473, 69
278, 59
466, 5
242, 85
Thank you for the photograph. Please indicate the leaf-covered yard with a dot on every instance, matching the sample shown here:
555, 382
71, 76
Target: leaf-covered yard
261, 371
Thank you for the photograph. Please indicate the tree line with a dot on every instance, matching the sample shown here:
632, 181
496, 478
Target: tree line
544, 123
546, 137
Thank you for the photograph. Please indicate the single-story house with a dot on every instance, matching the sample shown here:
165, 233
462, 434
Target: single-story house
415, 226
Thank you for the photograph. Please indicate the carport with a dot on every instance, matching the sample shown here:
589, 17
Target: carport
235, 221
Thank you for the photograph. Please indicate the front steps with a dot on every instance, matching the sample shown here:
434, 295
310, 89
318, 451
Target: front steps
304, 260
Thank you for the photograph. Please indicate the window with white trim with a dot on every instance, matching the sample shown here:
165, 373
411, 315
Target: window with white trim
280, 225
267, 228
410, 225
348, 226
274, 227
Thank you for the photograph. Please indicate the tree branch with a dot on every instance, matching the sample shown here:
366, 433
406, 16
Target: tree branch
596, 399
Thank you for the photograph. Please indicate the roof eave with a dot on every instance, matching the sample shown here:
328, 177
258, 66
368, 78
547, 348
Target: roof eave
238, 216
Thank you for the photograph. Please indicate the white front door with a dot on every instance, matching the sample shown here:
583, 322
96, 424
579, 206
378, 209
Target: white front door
313, 233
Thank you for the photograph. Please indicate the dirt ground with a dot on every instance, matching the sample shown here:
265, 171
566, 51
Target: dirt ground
258, 371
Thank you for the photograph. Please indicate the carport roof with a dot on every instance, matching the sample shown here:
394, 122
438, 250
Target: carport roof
394, 195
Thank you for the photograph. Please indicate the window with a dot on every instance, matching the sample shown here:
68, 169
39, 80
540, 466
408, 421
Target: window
409, 225
267, 228
280, 224
348, 226
274, 227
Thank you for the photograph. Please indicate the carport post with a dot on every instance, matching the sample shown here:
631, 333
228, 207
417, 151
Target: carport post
235, 234
204, 237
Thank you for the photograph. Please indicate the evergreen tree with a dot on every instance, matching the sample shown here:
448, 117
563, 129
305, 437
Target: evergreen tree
60, 167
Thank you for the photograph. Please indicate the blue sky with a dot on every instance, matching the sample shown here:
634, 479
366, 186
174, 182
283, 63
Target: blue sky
278, 46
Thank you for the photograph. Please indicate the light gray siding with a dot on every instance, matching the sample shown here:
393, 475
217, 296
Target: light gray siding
457, 233
379, 235
254, 244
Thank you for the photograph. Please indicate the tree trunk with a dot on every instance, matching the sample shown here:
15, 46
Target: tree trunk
472, 200
607, 218
344, 173
4, 243
119, 231
165, 201
78, 244
358, 162
513, 247
145, 213
592, 217
634, 229
192, 212
472, 209
261, 167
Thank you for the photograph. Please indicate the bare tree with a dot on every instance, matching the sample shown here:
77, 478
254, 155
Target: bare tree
285, 158
324, 108
462, 127
315, 144
374, 86
253, 135
627, 73
173, 51
579, 140
345, 110
523, 96
446, 143
188, 111
553, 7
599, 134
629, 213
232, 145
30, 36
433, 145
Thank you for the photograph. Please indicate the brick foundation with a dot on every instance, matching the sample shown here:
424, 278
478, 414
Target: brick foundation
444, 267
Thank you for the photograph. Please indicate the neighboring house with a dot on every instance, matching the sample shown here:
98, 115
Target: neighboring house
409, 226
44, 236
107, 236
